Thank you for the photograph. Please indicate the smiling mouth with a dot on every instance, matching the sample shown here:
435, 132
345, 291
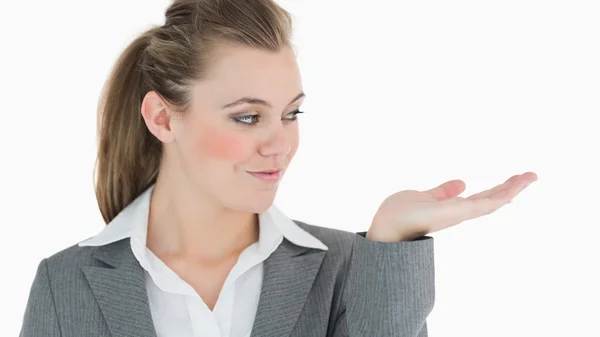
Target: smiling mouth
266, 171
266, 176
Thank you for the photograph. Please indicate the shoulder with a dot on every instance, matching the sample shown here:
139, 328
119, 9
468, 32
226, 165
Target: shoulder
60, 277
69, 261
71, 256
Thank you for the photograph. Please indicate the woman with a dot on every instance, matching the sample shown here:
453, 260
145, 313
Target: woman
197, 125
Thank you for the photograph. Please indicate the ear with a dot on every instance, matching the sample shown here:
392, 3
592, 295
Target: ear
157, 116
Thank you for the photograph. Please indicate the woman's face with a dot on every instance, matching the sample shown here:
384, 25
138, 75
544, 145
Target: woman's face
221, 139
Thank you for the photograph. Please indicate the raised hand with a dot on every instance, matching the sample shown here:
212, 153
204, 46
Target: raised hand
409, 214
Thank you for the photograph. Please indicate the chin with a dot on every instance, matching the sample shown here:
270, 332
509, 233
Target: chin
260, 206
258, 209
258, 203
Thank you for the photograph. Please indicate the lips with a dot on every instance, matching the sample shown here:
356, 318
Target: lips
266, 171
267, 176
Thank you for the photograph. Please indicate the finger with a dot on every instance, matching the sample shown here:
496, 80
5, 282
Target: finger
487, 193
516, 188
453, 211
487, 205
447, 190
514, 184
466, 209
456, 210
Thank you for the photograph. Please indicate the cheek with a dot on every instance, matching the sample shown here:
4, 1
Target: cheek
294, 141
223, 146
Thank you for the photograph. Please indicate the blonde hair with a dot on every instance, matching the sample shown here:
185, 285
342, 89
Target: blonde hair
166, 59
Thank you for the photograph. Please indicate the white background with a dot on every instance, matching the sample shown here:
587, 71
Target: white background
400, 95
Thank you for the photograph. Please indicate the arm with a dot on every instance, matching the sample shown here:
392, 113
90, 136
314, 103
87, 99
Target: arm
40, 317
389, 290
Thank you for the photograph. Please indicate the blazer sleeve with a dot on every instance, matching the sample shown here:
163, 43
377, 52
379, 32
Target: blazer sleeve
40, 317
389, 289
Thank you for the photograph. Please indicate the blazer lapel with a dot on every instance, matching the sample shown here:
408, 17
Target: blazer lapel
120, 290
289, 274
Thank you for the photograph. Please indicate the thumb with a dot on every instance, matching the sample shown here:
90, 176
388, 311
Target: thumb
449, 189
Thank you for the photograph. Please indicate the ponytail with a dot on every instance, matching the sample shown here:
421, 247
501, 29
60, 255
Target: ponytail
128, 154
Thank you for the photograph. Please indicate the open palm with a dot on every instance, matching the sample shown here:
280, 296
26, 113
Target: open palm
408, 214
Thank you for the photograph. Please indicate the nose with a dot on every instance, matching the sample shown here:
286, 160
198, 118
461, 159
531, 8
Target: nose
277, 142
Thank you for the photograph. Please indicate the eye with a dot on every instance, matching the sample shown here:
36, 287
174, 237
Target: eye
247, 119
253, 119
295, 114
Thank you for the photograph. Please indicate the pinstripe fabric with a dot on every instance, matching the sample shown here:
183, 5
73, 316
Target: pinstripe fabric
356, 288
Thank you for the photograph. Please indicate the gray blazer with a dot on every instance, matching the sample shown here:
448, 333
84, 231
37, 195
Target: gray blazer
357, 288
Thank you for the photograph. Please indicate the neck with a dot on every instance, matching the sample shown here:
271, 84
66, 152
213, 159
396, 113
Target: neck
185, 223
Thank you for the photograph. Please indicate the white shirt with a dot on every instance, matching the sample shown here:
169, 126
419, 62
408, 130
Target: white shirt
177, 310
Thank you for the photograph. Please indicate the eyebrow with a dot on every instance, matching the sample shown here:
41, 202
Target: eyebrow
254, 100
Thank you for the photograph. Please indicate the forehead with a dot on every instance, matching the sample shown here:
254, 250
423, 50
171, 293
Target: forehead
242, 71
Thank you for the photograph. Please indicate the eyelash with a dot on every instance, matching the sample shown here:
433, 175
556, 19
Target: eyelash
239, 118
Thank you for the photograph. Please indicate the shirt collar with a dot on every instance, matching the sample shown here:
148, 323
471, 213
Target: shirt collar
132, 222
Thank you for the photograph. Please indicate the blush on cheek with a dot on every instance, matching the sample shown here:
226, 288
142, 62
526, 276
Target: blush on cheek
223, 146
